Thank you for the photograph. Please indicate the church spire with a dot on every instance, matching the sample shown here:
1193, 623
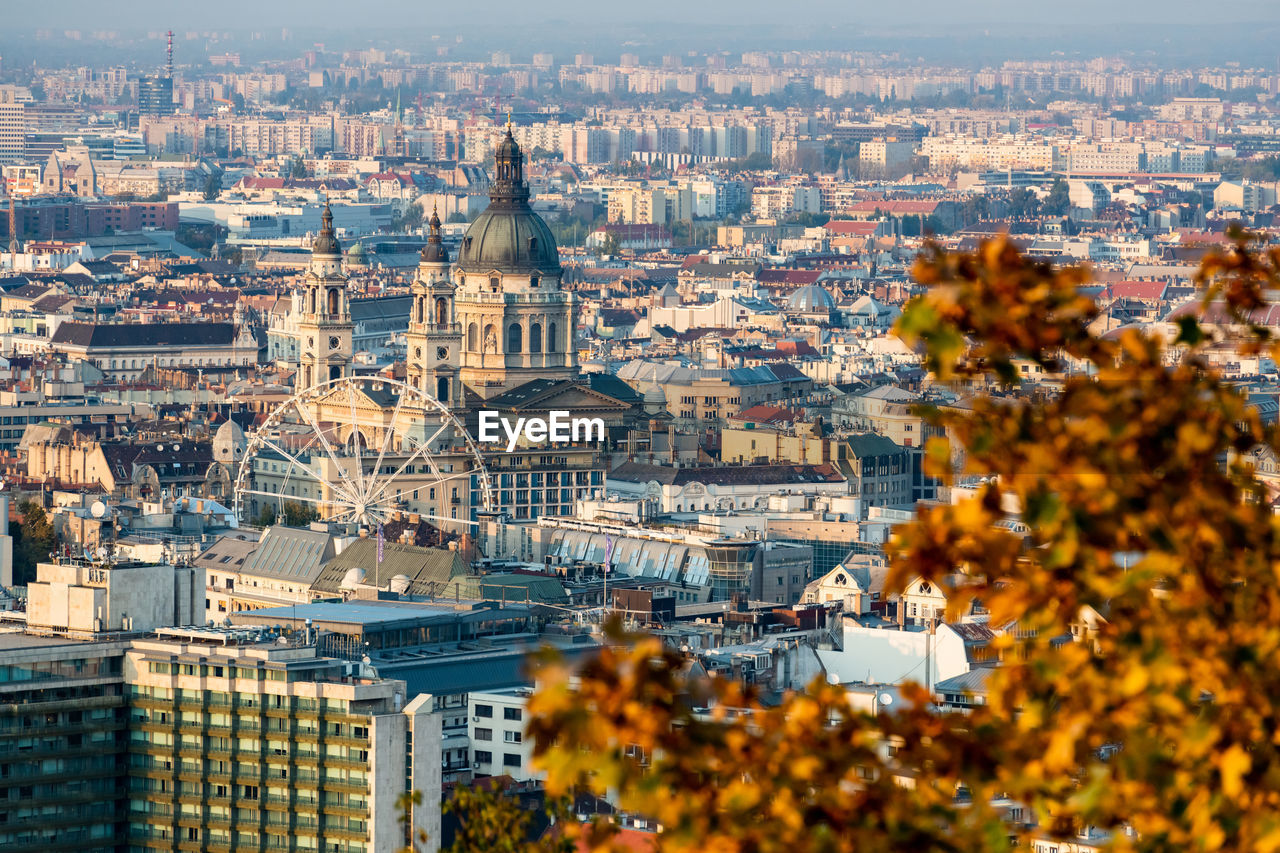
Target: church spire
434, 252
326, 243
509, 186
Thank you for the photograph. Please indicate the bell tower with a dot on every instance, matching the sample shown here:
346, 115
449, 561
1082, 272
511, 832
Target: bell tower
435, 336
325, 331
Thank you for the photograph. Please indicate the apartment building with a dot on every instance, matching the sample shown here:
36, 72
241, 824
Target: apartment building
495, 729
236, 744
695, 394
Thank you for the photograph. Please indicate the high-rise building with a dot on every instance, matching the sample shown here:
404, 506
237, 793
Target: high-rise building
155, 96
13, 125
63, 739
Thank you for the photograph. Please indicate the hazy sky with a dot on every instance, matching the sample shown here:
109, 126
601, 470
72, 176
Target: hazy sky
354, 14
973, 33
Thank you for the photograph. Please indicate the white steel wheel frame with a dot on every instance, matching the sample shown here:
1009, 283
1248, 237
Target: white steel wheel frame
363, 496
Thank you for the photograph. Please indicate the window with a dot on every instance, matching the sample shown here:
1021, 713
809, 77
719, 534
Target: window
511, 737
484, 734
484, 711
514, 338
510, 760
511, 714
483, 757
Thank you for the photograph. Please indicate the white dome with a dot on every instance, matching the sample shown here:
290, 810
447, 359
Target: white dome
400, 584
353, 578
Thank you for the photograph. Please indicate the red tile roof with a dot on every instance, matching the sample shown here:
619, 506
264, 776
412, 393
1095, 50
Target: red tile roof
851, 228
1148, 290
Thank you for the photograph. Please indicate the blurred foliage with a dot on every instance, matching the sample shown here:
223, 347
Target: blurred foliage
1138, 619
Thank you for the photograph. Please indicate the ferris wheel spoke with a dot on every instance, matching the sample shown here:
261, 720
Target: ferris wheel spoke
287, 498
449, 520
386, 442
357, 438
424, 448
305, 451
328, 448
301, 465
422, 452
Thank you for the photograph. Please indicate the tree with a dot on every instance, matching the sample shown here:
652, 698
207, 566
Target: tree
611, 246
489, 820
1058, 201
299, 515
1139, 689
34, 541
1023, 202
212, 186
297, 169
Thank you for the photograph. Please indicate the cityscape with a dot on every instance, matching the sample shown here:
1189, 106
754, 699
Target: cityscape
583, 430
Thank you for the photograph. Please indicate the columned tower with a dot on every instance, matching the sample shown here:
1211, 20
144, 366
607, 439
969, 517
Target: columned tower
435, 337
325, 331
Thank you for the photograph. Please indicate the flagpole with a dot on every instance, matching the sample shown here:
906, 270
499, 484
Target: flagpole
608, 558
377, 561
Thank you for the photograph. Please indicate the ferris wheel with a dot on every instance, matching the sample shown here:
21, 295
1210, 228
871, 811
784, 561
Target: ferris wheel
359, 449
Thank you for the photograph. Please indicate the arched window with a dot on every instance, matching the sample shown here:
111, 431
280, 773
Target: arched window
442, 389
473, 337
333, 300
535, 337
421, 310
514, 343
312, 309
551, 337
442, 311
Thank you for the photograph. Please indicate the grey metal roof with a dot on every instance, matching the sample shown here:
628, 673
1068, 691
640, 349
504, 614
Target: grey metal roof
427, 568
974, 681
467, 673
290, 552
355, 612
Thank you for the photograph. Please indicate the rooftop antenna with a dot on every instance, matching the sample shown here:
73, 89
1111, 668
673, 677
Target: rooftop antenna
168, 65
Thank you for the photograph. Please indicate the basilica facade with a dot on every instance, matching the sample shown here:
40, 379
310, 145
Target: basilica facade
495, 331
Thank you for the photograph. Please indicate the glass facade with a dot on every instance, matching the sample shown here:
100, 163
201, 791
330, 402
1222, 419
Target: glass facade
63, 730
730, 570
